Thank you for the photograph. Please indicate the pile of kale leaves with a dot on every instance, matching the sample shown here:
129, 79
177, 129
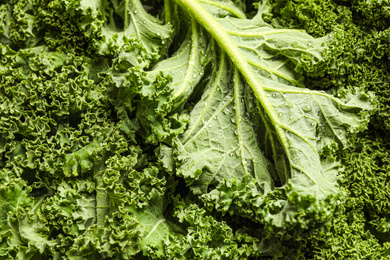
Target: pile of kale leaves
194, 129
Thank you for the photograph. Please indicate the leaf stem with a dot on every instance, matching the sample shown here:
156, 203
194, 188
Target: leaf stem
238, 115
167, 11
193, 58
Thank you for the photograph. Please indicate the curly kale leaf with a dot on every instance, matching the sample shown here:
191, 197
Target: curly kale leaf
255, 113
163, 92
121, 29
246, 164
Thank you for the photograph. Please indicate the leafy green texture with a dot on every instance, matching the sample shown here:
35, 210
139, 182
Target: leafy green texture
223, 153
165, 91
358, 229
193, 129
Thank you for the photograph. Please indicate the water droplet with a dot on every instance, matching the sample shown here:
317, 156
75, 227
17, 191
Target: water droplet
274, 95
194, 76
144, 22
210, 125
226, 110
135, 11
235, 132
322, 127
307, 108
233, 119
280, 114
313, 124
310, 43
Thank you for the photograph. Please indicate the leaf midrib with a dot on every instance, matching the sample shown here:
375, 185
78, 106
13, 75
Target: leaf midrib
191, 64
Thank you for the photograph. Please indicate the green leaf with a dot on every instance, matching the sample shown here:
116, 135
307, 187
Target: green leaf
124, 30
169, 84
207, 237
232, 136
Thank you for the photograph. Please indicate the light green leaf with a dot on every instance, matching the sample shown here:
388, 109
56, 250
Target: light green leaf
220, 142
223, 8
231, 135
169, 84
